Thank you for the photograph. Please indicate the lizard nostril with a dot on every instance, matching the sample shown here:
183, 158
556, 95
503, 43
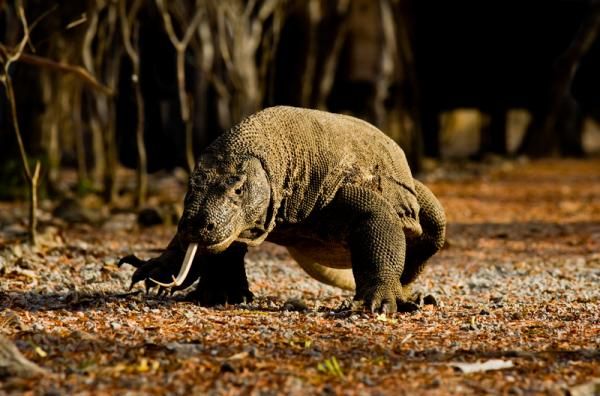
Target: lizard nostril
210, 226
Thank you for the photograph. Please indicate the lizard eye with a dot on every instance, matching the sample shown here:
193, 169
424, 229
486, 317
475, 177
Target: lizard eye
233, 180
236, 184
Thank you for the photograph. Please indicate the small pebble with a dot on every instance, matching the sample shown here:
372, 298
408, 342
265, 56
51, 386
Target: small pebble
295, 304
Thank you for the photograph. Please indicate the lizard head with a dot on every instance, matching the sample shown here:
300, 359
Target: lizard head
227, 201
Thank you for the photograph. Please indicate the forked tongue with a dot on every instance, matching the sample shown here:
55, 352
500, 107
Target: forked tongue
185, 267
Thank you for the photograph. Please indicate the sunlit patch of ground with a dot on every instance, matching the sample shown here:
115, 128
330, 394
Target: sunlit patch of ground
518, 281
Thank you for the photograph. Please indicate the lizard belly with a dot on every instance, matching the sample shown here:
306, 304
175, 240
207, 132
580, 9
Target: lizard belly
326, 261
331, 255
329, 265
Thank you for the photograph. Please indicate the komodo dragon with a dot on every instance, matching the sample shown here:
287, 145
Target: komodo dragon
333, 189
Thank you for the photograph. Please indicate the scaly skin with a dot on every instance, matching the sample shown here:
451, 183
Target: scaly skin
315, 182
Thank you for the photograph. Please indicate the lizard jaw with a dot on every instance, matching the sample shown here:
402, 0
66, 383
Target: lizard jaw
220, 246
253, 241
223, 245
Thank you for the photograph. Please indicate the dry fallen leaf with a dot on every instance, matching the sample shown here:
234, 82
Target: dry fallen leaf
488, 365
519, 278
41, 353
239, 356
590, 388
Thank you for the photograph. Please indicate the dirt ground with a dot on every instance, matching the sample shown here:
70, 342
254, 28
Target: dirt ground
518, 283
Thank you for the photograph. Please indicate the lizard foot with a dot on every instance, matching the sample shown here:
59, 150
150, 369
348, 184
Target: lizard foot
384, 298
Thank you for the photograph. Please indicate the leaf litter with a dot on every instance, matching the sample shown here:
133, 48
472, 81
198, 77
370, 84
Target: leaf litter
517, 282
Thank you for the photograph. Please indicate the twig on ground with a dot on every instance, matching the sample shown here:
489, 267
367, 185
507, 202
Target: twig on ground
13, 363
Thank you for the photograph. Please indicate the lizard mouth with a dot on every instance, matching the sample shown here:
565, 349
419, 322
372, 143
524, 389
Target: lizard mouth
251, 238
219, 246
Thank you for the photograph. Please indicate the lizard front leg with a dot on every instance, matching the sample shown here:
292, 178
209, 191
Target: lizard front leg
223, 278
163, 267
377, 244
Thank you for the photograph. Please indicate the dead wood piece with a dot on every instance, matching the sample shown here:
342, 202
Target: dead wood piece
13, 363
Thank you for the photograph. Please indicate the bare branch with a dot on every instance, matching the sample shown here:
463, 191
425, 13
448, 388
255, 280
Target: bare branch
126, 22
256, 27
249, 7
6, 80
38, 20
182, 44
10, 96
180, 48
90, 33
208, 55
130, 41
18, 51
222, 37
78, 71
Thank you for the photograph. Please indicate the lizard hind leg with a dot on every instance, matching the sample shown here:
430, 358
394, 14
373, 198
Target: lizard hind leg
420, 249
376, 240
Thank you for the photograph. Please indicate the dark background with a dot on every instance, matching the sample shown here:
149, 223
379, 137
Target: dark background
398, 64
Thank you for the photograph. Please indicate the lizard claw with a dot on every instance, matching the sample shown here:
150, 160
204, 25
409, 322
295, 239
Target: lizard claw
384, 306
138, 276
382, 298
388, 306
161, 291
150, 285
